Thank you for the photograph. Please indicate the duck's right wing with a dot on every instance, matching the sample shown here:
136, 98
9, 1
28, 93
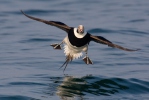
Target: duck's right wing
52, 23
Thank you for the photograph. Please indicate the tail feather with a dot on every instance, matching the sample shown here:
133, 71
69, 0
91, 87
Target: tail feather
69, 58
64, 63
66, 66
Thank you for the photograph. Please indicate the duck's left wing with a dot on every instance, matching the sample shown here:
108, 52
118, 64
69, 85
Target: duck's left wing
102, 40
58, 24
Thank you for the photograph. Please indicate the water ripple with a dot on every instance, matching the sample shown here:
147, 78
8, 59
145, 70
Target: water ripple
99, 30
25, 83
17, 97
37, 40
70, 86
136, 32
44, 12
137, 20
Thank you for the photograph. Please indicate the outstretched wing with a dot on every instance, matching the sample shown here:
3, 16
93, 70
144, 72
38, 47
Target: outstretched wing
102, 40
53, 23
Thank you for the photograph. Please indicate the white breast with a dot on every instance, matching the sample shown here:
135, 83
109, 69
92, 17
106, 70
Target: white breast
75, 52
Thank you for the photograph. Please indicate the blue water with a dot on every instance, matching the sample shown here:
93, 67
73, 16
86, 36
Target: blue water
29, 67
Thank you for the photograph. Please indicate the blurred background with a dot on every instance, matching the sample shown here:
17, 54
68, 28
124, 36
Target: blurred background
29, 66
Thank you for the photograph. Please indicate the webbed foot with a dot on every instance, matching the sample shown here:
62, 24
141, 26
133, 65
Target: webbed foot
87, 60
56, 46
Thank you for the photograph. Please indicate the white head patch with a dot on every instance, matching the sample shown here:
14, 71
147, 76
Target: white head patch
77, 34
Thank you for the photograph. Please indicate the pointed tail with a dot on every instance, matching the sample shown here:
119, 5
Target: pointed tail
69, 58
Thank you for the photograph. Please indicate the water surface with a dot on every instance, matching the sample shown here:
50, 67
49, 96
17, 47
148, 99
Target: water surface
30, 67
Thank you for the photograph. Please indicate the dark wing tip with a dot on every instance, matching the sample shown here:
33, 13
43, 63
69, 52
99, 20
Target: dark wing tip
37, 19
122, 48
136, 49
27, 15
53, 23
22, 12
102, 40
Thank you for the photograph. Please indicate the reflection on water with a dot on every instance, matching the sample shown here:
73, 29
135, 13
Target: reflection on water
74, 87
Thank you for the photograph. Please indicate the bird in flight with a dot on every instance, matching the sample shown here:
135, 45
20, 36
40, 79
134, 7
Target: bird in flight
77, 41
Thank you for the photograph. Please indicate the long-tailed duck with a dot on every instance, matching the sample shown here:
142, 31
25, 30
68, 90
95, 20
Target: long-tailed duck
77, 40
